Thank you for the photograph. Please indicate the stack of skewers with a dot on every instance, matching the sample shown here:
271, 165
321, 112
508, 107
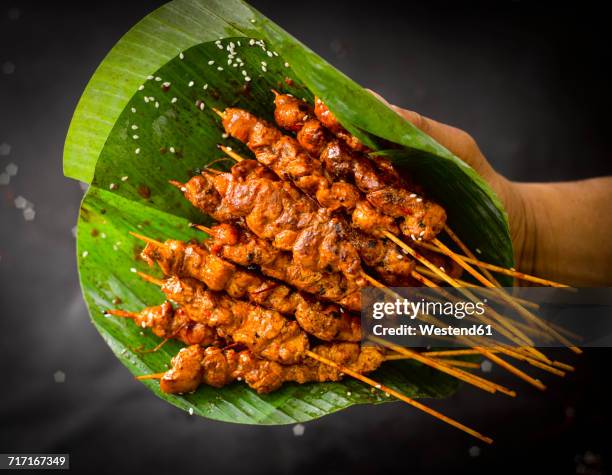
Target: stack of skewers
273, 294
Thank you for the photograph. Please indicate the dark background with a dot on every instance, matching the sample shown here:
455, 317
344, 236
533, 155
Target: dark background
532, 86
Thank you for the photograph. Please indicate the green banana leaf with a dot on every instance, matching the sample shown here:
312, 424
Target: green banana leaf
146, 117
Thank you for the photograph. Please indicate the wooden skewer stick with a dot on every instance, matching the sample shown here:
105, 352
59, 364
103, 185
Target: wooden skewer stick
399, 396
499, 269
519, 308
448, 361
520, 338
150, 278
425, 271
436, 364
201, 227
146, 239
532, 361
231, 153
121, 313
489, 354
150, 376
448, 353
466, 250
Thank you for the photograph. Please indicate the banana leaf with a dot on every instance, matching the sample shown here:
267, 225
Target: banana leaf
146, 117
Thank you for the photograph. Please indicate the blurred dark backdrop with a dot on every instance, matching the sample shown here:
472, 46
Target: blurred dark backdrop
530, 83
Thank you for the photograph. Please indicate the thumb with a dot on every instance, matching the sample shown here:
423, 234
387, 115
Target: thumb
457, 141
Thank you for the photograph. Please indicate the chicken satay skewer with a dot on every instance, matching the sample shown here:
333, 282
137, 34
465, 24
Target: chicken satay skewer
294, 114
451, 371
189, 360
400, 396
421, 258
325, 321
374, 282
213, 201
408, 353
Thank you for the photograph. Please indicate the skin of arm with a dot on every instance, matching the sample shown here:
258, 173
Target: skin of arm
560, 231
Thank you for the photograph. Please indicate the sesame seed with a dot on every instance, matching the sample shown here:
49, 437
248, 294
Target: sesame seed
156, 105
264, 69
133, 270
478, 251
286, 65
244, 73
211, 62
137, 151
378, 386
202, 105
275, 53
113, 186
133, 110
269, 53
141, 87
348, 393
135, 137
181, 55
146, 99
442, 268
422, 233
85, 254
205, 86
150, 77
134, 127
158, 79
225, 135
219, 68
172, 150
247, 79
191, 83
419, 200
251, 42
174, 99
413, 195
229, 148
252, 20
124, 178
191, 411
263, 63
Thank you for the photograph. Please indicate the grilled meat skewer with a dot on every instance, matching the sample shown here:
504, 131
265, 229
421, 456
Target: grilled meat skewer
384, 188
275, 210
195, 365
325, 321
189, 259
265, 332
167, 322
286, 157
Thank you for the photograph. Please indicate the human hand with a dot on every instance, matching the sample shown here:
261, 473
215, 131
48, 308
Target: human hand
544, 217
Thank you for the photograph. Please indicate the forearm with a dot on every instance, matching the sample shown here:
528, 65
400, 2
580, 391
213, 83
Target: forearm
563, 231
